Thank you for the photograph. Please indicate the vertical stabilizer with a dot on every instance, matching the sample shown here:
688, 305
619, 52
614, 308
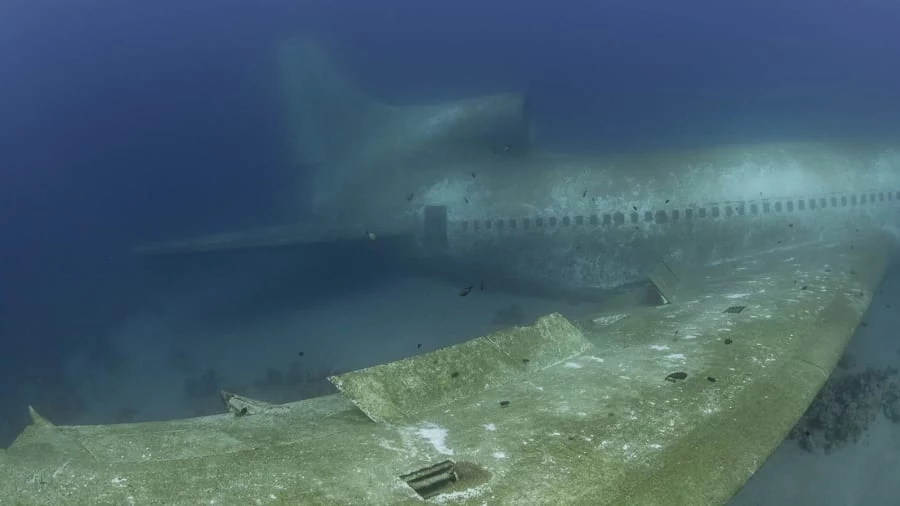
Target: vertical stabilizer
325, 110
350, 139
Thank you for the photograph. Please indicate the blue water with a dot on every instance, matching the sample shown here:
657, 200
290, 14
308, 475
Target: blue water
122, 122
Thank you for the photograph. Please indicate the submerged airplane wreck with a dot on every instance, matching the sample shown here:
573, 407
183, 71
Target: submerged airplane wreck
763, 260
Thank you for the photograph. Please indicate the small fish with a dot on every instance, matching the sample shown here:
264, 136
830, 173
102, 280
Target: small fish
465, 291
667, 201
473, 174
584, 194
634, 207
371, 235
466, 200
409, 197
506, 148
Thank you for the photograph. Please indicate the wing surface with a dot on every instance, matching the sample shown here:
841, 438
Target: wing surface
671, 404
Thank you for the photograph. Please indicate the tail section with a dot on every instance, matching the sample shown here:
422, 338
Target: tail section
347, 137
356, 145
326, 112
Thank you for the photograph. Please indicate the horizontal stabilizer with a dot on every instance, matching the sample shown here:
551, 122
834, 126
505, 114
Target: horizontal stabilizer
267, 237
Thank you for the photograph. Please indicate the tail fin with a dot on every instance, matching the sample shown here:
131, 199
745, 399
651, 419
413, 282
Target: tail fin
352, 141
345, 135
325, 110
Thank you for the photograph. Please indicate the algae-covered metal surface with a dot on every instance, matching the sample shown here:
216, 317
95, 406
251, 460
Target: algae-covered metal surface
673, 404
405, 388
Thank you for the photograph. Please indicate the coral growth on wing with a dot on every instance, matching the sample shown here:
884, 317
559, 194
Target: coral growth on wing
847, 406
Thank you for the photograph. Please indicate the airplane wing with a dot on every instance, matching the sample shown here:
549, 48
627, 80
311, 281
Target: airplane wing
653, 405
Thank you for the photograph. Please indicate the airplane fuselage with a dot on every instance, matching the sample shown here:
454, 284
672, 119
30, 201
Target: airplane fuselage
592, 222
462, 184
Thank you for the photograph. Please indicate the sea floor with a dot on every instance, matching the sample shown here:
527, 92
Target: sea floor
860, 473
171, 365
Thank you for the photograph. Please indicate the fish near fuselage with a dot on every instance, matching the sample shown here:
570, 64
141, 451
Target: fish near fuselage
603, 222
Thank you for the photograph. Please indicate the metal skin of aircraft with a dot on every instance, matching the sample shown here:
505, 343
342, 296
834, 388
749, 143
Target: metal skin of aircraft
461, 184
766, 258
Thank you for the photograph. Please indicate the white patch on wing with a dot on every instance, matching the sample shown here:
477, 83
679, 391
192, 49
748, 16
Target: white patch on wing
437, 436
